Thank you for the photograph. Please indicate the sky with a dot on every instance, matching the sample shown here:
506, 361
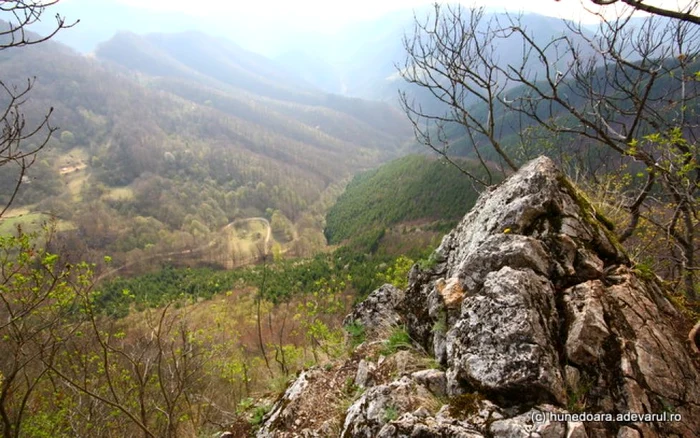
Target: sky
329, 14
326, 15
265, 26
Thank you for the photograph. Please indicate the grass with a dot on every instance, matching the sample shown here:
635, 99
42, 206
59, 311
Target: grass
29, 222
357, 334
75, 182
73, 168
76, 157
399, 339
18, 211
243, 242
119, 194
576, 397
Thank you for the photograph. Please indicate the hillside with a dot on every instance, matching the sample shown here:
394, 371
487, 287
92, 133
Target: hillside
412, 188
169, 160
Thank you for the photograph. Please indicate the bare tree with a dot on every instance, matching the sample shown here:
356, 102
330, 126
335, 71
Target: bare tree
17, 153
687, 13
625, 91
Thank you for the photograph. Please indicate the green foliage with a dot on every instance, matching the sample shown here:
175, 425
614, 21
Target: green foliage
40, 294
645, 269
284, 279
391, 413
356, 332
413, 187
399, 339
397, 274
428, 263
576, 396
164, 286
259, 414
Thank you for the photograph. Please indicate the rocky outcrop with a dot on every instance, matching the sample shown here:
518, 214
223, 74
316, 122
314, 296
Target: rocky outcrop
377, 313
533, 312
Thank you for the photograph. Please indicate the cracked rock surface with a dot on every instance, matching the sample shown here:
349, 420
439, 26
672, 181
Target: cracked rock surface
532, 307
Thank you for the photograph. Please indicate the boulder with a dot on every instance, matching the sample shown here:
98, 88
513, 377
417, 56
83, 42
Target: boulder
377, 313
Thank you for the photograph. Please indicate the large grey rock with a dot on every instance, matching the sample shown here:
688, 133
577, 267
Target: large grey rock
544, 288
504, 343
412, 426
377, 313
587, 329
284, 411
531, 306
534, 206
528, 425
434, 380
381, 404
363, 378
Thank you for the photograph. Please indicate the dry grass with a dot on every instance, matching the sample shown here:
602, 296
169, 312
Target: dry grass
119, 194
30, 222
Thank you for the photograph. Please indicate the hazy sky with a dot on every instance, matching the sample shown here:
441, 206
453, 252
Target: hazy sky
266, 26
328, 13
325, 15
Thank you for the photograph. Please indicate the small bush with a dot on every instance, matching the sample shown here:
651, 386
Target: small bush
259, 414
391, 414
429, 263
357, 334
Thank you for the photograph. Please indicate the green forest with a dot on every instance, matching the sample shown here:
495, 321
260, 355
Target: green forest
414, 187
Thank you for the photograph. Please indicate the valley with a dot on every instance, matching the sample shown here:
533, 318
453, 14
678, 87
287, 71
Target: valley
204, 209
200, 153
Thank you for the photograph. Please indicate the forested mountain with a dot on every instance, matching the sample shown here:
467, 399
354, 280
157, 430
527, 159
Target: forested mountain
182, 146
412, 188
199, 57
356, 60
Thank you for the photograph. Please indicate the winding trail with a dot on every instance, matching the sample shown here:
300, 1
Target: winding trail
266, 247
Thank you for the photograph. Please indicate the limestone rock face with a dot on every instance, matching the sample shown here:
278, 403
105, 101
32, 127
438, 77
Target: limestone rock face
532, 309
502, 344
380, 405
377, 313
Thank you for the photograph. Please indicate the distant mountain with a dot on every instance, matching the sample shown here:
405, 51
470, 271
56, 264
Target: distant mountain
362, 59
357, 60
197, 56
218, 73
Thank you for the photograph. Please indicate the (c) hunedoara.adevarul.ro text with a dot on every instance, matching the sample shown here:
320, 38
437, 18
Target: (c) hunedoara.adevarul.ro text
627, 417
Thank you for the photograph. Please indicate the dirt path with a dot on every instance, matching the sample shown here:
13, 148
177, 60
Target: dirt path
69, 169
266, 247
